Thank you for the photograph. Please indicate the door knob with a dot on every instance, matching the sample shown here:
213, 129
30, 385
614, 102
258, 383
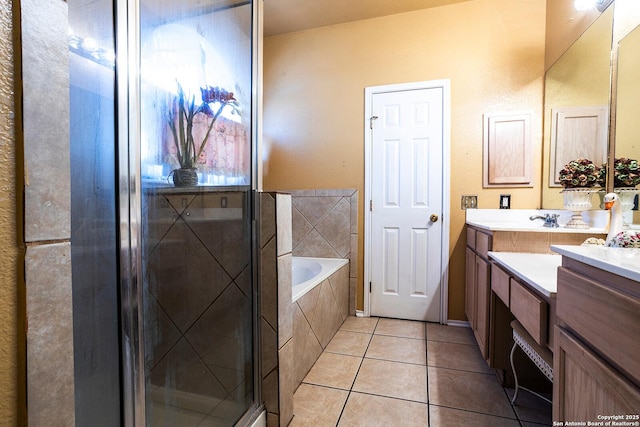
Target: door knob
433, 218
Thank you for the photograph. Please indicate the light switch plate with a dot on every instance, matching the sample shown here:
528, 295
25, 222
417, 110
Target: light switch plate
469, 202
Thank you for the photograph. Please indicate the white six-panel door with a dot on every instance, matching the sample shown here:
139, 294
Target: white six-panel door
406, 177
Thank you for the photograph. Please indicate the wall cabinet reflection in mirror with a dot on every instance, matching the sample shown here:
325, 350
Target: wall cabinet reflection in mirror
577, 106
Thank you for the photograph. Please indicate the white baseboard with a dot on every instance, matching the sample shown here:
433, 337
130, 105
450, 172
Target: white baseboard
459, 323
359, 313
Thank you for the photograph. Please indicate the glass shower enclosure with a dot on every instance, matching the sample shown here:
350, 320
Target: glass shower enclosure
186, 208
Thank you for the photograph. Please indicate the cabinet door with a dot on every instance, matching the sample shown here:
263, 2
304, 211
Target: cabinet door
585, 386
483, 288
470, 286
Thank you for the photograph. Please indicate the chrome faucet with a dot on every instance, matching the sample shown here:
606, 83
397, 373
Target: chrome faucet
550, 220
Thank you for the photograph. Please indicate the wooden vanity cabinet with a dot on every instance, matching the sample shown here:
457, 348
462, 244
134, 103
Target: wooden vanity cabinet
478, 286
596, 363
513, 299
488, 312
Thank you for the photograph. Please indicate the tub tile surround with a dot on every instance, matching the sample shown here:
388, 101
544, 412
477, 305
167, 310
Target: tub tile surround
325, 225
343, 389
276, 323
318, 316
312, 223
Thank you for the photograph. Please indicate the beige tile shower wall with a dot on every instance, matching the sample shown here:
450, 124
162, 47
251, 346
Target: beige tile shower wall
47, 219
276, 321
50, 376
325, 225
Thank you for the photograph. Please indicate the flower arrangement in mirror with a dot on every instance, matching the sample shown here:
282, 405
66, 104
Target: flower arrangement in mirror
626, 173
180, 117
625, 179
579, 173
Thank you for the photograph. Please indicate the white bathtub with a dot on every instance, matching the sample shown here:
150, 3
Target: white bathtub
307, 273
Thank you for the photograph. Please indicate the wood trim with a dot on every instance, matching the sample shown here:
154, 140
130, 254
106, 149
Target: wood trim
482, 306
470, 286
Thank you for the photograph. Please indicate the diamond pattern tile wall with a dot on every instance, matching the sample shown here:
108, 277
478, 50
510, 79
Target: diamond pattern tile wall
317, 317
198, 309
325, 225
322, 224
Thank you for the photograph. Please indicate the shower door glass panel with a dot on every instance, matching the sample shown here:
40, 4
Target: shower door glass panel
195, 119
94, 253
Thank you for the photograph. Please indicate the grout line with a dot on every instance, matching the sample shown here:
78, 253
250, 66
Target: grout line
400, 336
391, 397
396, 361
455, 342
489, 374
475, 412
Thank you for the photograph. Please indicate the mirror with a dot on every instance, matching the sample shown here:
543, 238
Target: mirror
627, 140
577, 105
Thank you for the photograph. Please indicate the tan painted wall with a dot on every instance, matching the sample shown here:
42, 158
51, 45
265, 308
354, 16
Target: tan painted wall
564, 25
11, 348
491, 50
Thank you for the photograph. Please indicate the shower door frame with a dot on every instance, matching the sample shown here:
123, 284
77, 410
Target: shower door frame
127, 17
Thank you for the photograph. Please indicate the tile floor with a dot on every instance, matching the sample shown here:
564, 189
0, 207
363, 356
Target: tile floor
383, 372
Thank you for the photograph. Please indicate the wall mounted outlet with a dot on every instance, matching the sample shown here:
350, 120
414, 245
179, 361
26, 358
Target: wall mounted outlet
505, 201
469, 202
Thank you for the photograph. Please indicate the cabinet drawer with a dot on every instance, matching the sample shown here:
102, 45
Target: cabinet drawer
530, 310
483, 244
471, 238
602, 316
500, 283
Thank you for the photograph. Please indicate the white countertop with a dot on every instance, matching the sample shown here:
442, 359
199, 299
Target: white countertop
624, 262
540, 271
518, 220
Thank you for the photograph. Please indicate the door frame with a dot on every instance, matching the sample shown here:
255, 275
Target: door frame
445, 85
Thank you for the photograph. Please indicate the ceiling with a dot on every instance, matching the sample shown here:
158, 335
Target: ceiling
286, 16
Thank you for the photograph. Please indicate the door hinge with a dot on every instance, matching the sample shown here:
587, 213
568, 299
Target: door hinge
371, 119
371, 205
369, 287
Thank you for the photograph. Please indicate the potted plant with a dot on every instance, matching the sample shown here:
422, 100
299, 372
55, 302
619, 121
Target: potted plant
180, 117
578, 177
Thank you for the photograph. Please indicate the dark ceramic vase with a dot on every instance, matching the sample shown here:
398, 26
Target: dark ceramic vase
184, 177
